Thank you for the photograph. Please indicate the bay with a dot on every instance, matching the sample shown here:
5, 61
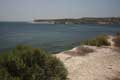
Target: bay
51, 37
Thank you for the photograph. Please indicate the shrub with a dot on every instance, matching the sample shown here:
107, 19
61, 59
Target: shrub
98, 41
27, 63
117, 40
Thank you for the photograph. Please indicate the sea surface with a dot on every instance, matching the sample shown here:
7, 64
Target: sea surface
51, 37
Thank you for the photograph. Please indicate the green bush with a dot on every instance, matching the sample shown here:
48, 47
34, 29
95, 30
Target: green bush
98, 41
27, 63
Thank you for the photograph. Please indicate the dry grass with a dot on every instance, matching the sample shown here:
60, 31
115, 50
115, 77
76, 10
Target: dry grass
117, 40
84, 51
98, 41
80, 51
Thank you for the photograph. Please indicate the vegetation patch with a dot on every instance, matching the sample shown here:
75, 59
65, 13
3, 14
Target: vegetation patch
27, 63
117, 40
85, 50
98, 41
80, 51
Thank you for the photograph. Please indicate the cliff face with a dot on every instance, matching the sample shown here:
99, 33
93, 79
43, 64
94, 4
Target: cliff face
113, 20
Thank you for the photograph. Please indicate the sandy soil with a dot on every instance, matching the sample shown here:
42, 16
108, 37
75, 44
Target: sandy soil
103, 63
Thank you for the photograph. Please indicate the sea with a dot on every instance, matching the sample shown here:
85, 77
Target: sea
53, 38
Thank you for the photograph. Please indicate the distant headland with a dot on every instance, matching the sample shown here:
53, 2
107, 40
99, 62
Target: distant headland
85, 20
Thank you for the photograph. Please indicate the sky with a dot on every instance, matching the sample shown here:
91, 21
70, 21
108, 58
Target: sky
27, 10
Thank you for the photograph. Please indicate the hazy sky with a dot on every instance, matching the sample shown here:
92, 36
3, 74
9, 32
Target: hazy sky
26, 10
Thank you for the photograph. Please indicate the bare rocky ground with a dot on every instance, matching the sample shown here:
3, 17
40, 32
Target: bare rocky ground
92, 63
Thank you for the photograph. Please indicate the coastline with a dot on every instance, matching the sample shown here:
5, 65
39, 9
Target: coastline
84, 20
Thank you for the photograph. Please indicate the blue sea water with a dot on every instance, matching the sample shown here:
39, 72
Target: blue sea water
51, 37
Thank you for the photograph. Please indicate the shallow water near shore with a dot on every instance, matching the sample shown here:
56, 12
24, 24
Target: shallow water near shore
51, 37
